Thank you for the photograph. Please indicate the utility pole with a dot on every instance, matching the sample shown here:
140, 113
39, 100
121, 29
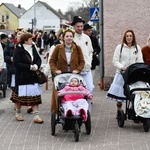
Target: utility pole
95, 4
101, 27
34, 21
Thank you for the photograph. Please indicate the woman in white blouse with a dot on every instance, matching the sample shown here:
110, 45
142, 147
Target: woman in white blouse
125, 54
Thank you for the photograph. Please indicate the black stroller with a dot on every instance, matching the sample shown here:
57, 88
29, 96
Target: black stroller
135, 72
75, 122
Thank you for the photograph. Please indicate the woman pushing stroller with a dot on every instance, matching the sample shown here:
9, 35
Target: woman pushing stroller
125, 54
66, 57
75, 103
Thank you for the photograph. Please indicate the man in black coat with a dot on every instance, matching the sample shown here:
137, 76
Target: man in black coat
95, 61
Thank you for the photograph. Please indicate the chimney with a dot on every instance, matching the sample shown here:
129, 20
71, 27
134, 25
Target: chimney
19, 6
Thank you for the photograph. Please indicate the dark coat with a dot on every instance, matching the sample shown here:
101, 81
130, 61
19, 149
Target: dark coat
39, 42
51, 40
8, 53
22, 64
45, 37
96, 51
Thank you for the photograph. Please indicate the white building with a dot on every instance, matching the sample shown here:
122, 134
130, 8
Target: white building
46, 17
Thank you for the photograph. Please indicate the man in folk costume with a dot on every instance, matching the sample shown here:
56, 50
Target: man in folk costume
84, 42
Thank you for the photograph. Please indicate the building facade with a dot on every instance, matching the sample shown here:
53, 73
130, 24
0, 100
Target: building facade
44, 17
120, 15
9, 15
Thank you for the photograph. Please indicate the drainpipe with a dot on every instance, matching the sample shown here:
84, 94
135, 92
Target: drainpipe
101, 45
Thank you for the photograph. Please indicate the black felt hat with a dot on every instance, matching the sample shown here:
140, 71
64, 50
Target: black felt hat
77, 19
87, 26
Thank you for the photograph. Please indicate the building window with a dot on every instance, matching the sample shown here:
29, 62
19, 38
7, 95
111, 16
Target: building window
7, 17
2, 18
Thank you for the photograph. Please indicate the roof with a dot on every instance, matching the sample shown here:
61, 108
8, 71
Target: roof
16, 10
51, 9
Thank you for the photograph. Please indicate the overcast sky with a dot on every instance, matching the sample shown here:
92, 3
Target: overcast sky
55, 4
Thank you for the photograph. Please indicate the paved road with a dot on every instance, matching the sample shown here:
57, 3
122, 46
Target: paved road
105, 135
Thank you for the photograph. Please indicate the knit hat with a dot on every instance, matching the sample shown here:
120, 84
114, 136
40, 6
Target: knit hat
73, 77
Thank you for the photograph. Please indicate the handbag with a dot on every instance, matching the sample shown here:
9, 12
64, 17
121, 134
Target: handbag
40, 75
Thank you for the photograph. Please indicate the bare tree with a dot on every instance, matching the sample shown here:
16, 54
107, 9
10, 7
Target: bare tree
80, 10
91, 3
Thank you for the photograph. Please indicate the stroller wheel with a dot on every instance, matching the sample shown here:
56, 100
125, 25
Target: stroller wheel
53, 122
76, 132
146, 124
120, 118
88, 123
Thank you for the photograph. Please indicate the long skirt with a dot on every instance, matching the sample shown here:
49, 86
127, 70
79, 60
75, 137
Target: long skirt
27, 95
116, 90
54, 104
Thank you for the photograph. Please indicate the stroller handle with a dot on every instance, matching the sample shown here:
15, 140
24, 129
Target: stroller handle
55, 74
122, 71
72, 92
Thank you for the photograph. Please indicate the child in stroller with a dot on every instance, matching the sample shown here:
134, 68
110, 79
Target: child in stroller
73, 103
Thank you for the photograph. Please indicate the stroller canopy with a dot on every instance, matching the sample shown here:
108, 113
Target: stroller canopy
61, 79
137, 72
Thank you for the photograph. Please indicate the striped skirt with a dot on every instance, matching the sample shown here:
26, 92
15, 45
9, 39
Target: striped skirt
27, 95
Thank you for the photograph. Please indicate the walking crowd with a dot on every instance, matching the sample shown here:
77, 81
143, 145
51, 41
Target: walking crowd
69, 50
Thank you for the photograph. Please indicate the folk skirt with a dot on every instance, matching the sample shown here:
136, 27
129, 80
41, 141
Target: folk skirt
27, 95
116, 90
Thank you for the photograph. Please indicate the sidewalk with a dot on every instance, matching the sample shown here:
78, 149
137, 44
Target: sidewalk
105, 135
